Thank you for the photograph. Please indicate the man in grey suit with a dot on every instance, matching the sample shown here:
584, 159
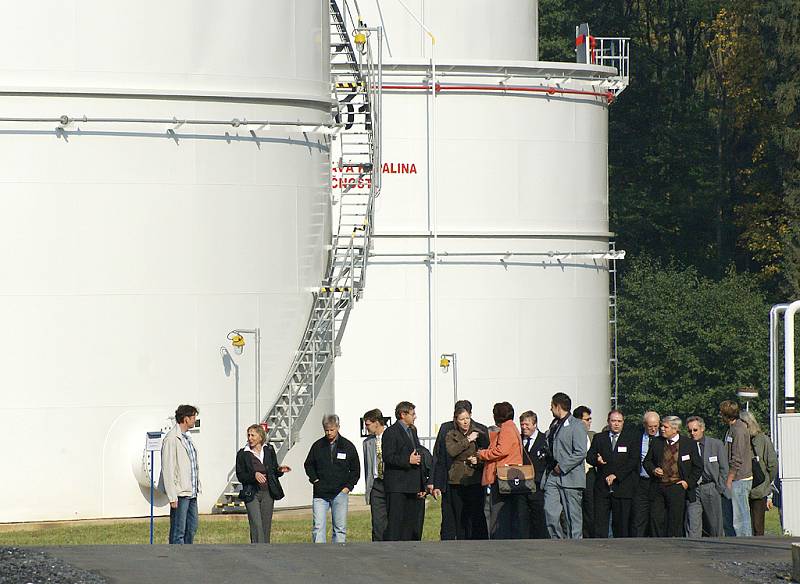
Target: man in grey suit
704, 514
373, 473
564, 480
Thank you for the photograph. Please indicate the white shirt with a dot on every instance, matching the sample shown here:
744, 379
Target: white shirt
258, 455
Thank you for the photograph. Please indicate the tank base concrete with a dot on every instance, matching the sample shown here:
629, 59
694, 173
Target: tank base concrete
597, 561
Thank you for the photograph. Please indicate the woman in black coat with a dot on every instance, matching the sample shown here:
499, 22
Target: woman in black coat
258, 471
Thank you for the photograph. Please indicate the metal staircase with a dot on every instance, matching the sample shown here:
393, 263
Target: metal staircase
354, 86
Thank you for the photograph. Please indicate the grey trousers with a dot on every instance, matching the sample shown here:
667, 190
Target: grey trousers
259, 514
377, 507
704, 515
558, 500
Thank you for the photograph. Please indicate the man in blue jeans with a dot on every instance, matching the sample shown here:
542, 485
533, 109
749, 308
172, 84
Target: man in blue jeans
333, 467
180, 476
740, 467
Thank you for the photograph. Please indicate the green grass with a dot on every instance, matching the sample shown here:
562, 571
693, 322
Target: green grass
290, 527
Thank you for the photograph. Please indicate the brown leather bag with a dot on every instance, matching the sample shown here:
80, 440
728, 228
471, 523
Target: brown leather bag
516, 479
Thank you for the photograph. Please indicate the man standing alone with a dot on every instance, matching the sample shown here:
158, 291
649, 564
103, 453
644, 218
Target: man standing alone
375, 492
565, 478
333, 468
180, 476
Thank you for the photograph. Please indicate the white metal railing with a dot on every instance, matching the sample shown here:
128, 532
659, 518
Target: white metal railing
614, 52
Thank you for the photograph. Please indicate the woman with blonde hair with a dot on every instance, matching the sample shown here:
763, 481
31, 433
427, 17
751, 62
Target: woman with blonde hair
764, 455
258, 471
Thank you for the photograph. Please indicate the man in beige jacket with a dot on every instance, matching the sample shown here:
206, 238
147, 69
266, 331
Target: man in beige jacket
180, 476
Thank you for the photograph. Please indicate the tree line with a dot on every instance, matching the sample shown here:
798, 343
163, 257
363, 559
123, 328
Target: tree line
704, 187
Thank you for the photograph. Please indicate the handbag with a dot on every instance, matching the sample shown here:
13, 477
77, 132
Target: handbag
248, 492
516, 479
758, 472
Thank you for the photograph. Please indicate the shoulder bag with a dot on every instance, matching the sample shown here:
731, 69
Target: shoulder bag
758, 471
516, 479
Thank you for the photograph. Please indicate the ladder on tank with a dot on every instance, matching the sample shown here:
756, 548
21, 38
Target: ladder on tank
353, 86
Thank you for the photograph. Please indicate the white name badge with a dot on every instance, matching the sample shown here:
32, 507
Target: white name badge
341, 455
758, 459
713, 459
729, 439
685, 457
622, 449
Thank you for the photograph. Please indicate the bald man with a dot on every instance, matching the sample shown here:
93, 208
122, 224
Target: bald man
640, 515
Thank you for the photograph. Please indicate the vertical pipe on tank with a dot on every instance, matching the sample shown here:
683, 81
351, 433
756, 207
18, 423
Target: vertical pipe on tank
774, 319
431, 219
788, 356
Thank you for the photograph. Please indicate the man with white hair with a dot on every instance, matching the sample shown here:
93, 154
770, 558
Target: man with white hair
674, 464
333, 468
704, 515
640, 520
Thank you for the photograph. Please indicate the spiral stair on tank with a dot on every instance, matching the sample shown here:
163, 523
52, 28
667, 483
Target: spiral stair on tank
355, 125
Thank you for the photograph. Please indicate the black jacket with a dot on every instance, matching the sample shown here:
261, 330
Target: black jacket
331, 470
247, 475
442, 460
399, 476
690, 467
623, 462
536, 454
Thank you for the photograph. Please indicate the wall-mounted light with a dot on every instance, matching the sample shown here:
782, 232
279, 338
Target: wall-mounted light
444, 362
237, 341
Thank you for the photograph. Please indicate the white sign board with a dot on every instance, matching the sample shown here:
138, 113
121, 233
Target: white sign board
154, 440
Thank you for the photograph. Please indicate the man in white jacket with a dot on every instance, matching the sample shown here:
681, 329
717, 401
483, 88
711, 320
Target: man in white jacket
180, 476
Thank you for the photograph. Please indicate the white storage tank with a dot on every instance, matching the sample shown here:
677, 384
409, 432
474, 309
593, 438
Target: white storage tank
141, 230
492, 225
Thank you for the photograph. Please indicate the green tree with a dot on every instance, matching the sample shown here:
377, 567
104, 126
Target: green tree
688, 342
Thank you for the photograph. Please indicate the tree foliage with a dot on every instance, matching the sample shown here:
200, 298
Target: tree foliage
688, 342
704, 149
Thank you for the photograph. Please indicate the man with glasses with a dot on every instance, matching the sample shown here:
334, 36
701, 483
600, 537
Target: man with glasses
704, 514
584, 414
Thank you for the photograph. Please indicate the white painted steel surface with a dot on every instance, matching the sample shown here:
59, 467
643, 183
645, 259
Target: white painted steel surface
464, 29
521, 173
789, 471
130, 252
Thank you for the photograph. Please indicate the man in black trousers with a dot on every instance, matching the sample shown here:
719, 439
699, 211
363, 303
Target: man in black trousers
533, 452
675, 465
441, 466
615, 455
640, 520
402, 472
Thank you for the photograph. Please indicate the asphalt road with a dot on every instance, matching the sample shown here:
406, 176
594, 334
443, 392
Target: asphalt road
619, 561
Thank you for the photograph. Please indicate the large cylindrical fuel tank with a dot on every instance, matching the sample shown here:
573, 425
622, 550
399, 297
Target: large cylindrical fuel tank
163, 183
491, 227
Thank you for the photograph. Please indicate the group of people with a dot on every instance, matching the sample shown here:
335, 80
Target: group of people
624, 481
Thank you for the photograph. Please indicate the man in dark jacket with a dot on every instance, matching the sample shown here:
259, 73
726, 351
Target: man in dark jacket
674, 464
333, 468
615, 455
441, 466
402, 474
533, 452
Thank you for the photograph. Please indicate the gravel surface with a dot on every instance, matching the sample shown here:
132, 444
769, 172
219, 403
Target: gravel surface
761, 572
21, 566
